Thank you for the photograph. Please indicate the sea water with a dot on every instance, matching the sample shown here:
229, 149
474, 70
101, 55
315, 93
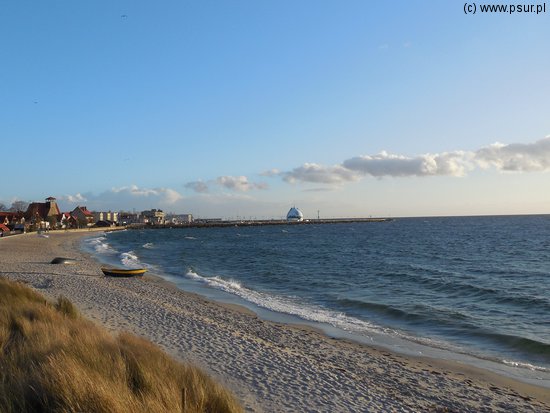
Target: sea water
476, 289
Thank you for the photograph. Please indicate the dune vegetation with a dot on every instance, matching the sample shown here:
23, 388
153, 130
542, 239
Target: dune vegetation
54, 360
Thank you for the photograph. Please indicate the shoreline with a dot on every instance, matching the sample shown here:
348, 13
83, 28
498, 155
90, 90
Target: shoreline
270, 366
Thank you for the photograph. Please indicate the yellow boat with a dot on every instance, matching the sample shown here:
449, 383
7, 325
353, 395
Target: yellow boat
119, 272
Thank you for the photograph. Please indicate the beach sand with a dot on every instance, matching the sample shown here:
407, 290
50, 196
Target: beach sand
271, 367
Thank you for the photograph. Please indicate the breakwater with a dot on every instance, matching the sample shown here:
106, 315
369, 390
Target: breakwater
255, 223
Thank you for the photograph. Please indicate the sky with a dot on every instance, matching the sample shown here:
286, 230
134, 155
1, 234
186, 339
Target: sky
243, 109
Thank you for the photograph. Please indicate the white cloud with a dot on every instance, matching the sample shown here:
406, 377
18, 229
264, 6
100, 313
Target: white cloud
384, 164
312, 172
519, 157
239, 183
163, 195
74, 199
170, 196
271, 172
197, 186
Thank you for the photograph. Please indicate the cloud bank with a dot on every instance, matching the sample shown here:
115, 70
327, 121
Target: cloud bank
231, 183
74, 199
312, 172
531, 157
517, 157
163, 195
239, 183
125, 197
197, 186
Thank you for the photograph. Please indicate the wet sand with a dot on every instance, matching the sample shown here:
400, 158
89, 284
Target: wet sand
271, 367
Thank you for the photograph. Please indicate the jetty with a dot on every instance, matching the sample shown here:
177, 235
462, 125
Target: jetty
207, 223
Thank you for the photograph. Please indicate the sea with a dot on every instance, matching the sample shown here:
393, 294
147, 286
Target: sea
470, 289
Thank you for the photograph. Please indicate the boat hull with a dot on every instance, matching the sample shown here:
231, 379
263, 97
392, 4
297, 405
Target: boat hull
118, 272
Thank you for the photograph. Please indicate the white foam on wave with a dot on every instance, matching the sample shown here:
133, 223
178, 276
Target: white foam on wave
100, 245
189, 237
149, 245
193, 275
287, 305
296, 307
527, 366
130, 259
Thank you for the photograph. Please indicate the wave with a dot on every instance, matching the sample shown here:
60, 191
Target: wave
309, 312
527, 366
526, 345
451, 283
452, 296
456, 322
100, 245
130, 259
289, 305
383, 309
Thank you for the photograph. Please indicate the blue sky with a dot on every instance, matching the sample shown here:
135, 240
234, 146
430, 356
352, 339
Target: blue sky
245, 108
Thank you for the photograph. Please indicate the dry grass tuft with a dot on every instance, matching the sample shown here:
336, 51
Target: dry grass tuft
51, 360
64, 306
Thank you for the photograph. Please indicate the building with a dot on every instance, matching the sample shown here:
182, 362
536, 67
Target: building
4, 230
153, 217
84, 217
294, 215
11, 218
127, 218
43, 214
66, 220
105, 216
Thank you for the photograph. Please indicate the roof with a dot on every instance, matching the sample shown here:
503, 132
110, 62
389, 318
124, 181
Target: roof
85, 211
36, 208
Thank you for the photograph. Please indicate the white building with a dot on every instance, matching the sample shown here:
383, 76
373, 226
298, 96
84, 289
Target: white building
105, 216
294, 215
153, 216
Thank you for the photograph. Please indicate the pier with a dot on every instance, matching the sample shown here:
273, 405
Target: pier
255, 223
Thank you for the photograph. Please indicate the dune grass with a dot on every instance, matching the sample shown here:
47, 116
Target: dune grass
53, 360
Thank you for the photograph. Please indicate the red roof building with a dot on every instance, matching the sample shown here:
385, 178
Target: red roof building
9, 218
83, 216
4, 230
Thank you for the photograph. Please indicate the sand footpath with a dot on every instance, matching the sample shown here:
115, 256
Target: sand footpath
270, 367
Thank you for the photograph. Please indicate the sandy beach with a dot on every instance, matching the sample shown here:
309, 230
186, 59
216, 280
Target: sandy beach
271, 367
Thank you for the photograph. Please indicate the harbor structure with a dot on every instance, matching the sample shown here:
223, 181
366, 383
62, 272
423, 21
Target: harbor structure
294, 215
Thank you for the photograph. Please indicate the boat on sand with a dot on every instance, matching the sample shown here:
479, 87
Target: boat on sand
120, 272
